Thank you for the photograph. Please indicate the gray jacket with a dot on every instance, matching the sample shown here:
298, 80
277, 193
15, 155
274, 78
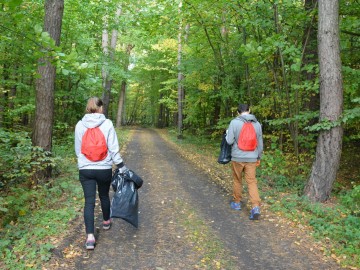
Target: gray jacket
92, 120
233, 135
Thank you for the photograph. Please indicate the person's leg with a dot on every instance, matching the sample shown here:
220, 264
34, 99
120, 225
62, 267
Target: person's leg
89, 187
104, 181
250, 178
237, 169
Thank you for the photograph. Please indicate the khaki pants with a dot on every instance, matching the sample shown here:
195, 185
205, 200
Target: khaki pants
249, 169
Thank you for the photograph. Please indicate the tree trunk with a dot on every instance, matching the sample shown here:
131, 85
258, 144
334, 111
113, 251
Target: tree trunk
3, 94
45, 85
247, 72
120, 116
180, 79
328, 151
161, 119
292, 108
107, 80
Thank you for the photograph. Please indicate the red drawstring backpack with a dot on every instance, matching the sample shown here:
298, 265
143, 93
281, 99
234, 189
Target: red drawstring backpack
93, 145
247, 140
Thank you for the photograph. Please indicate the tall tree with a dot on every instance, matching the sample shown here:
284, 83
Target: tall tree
121, 104
180, 77
107, 79
45, 84
328, 151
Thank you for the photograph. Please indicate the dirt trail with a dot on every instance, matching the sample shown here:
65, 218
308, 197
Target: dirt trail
185, 223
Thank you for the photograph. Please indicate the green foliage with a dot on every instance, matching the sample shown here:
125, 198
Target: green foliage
351, 118
254, 59
26, 235
304, 118
30, 216
351, 200
19, 160
23, 244
335, 223
324, 124
12, 3
277, 171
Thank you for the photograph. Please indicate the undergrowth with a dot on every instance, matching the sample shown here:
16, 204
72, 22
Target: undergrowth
36, 214
336, 224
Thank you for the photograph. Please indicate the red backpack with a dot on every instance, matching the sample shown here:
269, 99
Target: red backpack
247, 140
93, 145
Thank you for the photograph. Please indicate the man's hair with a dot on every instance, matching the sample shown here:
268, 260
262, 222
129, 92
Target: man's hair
243, 108
93, 105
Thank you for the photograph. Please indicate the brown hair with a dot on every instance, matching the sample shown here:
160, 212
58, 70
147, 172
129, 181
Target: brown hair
94, 105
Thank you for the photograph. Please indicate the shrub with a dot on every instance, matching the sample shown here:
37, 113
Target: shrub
19, 160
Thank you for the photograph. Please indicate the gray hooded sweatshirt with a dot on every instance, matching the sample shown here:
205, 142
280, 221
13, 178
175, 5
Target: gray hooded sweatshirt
233, 135
92, 120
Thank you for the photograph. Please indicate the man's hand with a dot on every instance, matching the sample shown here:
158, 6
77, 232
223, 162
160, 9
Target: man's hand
258, 163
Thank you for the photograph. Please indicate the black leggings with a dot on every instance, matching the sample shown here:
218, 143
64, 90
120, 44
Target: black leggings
89, 179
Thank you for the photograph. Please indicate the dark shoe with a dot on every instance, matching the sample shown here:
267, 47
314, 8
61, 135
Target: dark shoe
107, 224
255, 213
90, 244
235, 206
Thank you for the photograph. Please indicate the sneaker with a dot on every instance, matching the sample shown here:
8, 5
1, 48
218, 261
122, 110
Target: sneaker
255, 213
235, 206
90, 244
107, 224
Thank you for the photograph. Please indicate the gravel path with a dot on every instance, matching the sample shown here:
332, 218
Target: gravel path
185, 222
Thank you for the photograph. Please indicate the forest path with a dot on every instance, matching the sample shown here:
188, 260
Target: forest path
185, 222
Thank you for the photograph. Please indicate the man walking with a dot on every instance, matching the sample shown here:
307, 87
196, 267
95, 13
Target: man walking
246, 160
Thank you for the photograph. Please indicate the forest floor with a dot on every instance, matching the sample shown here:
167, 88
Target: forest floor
185, 222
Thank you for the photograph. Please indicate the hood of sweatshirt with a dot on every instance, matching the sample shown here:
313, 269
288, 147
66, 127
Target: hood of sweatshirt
91, 120
248, 117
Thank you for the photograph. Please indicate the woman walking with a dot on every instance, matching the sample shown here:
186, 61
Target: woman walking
97, 149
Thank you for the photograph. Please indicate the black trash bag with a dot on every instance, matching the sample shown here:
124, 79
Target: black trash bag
125, 202
225, 151
128, 175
